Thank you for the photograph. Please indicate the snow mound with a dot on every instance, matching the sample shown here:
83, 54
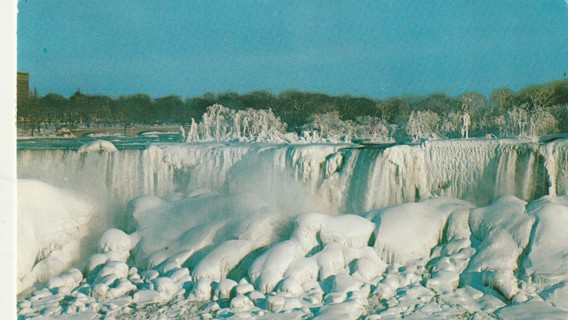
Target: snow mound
316, 229
546, 263
173, 232
99, 145
410, 231
338, 237
115, 240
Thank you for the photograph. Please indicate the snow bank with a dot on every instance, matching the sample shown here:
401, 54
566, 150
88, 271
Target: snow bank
223, 259
532, 310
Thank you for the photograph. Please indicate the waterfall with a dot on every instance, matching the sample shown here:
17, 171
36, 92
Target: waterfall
343, 177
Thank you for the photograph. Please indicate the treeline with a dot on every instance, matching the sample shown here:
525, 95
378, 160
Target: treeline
504, 112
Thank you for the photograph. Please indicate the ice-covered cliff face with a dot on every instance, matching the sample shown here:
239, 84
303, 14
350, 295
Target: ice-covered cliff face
329, 178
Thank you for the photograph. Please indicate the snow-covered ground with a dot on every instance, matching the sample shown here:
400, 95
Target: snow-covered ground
445, 229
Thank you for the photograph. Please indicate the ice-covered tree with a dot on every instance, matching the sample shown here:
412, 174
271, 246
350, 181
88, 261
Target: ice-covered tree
525, 123
373, 129
542, 122
476, 106
223, 124
329, 127
258, 125
451, 124
516, 121
423, 125
193, 134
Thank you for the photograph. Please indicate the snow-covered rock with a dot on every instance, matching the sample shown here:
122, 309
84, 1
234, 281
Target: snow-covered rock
411, 230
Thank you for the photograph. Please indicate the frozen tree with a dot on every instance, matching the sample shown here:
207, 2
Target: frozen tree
193, 134
330, 127
182, 134
501, 123
258, 125
220, 121
205, 127
542, 122
373, 129
516, 121
560, 112
223, 124
451, 124
521, 122
529, 124
475, 105
423, 125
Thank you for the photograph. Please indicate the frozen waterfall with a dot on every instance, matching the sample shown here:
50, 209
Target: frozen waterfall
441, 229
340, 178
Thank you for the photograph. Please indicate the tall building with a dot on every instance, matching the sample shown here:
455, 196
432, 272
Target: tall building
23, 88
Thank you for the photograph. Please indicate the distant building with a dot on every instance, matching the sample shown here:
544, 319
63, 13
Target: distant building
23, 88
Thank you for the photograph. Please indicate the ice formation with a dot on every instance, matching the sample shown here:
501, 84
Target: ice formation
444, 229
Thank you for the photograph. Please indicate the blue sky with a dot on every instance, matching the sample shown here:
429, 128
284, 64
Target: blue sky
373, 48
